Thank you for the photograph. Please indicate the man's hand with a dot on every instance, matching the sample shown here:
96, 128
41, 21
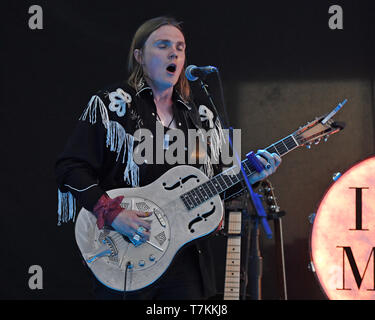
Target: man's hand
130, 224
270, 163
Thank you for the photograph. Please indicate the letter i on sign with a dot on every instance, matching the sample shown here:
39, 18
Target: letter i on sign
358, 209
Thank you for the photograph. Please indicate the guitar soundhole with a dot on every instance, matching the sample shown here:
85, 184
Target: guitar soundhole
199, 218
180, 182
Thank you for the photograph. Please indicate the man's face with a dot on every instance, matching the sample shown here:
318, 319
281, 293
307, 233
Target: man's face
163, 57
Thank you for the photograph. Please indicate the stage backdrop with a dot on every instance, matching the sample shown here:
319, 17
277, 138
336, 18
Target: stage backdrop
281, 65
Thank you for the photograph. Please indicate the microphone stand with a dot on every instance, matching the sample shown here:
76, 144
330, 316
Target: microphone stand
254, 200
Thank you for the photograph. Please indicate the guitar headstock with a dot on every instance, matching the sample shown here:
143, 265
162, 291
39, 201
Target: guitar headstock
269, 197
319, 129
314, 132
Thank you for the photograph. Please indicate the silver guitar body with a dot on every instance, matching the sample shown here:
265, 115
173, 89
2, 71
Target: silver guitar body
107, 253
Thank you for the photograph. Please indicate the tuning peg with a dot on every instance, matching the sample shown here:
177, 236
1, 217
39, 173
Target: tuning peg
336, 176
308, 145
311, 267
317, 141
326, 138
311, 217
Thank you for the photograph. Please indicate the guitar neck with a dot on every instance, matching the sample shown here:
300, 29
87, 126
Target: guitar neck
233, 262
228, 178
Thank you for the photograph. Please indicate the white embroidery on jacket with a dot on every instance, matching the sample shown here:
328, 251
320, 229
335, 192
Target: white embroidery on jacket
119, 100
206, 115
216, 138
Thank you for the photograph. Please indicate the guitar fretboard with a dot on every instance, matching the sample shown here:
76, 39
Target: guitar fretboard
231, 176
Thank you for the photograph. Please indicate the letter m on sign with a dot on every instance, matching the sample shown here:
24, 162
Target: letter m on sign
347, 251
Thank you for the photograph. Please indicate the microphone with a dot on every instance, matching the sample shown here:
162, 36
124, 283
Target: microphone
193, 72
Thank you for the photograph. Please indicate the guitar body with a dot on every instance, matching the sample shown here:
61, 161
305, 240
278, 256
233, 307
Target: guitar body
107, 252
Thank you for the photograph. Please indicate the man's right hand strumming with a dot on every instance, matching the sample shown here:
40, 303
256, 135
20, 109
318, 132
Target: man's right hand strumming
131, 223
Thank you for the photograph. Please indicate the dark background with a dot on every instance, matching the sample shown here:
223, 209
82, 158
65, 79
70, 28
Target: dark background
280, 64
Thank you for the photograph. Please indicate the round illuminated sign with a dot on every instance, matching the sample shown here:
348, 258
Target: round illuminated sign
343, 235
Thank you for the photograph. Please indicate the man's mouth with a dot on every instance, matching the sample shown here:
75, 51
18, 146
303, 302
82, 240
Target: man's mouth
171, 68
